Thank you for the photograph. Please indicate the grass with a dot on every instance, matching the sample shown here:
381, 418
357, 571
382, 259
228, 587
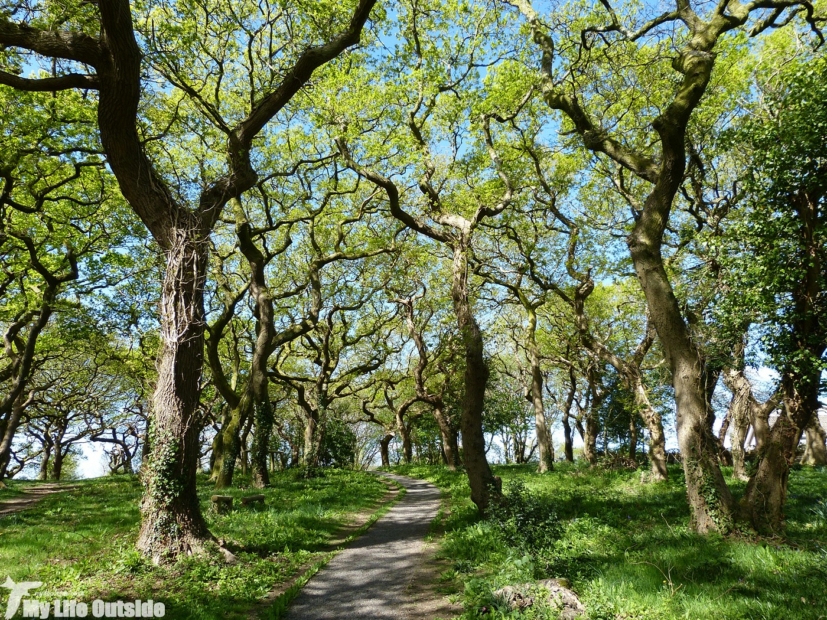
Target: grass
80, 544
628, 551
14, 488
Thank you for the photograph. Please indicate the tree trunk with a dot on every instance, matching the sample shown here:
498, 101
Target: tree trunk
541, 429
405, 433
654, 424
259, 385
44, 460
244, 443
632, 439
312, 441
230, 444
384, 445
57, 468
710, 500
172, 522
261, 442
450, 446
12, 423
815, 451
740, 414
127, 463
568, 447
766, 494
590, 439
484, 486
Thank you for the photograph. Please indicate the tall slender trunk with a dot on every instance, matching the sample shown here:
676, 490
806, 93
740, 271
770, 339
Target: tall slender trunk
632, 439
312, 440
590, 433
384, 449
654, 424
261, 442
258, 385
172, 522
482, 482
12, 423
407, 447
740, 415
815, 451
57, 467
450, 447
710, 500
568, 447
541, 428
45, 458
244, 442
230, 442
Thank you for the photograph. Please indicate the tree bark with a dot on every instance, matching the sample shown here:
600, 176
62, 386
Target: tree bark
591, 431
384, 449
815, 451
263, 428
484, 486
312, 440
763, 503
741, 407
546, 463
57, 467
45, 458
450, 447
709, 497
767, 489
407, 447
172, 520
230, 443
568, 447
654, 424
12, 423
244, 443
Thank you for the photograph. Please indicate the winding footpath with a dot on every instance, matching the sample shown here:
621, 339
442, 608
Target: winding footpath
370, 579
31, 496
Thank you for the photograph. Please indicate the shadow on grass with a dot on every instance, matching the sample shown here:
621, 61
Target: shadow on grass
81, 543
628, 549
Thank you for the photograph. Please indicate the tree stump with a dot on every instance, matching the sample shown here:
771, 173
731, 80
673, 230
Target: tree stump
222, 503
252, 499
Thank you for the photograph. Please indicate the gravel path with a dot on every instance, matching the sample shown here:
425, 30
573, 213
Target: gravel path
369, 579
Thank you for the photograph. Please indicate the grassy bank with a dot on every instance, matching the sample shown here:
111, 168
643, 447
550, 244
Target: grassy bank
629, 554
80, 543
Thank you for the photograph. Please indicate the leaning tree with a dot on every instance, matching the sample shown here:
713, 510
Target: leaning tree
687, 36
224, 89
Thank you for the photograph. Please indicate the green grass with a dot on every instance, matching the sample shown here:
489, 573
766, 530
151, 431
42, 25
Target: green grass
629, 553
14, 488
80, 544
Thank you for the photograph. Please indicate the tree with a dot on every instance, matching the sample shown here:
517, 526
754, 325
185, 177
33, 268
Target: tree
563, 61
778, 264
102, 37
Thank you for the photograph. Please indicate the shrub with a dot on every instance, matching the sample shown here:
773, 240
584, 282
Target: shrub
524, 519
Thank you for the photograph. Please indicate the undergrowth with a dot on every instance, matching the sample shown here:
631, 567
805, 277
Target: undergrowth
627, 548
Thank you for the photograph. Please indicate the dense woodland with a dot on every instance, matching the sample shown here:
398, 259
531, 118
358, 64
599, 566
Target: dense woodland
242, 237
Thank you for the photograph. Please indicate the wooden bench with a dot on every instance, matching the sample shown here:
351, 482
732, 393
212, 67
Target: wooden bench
222, 503
252, 499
